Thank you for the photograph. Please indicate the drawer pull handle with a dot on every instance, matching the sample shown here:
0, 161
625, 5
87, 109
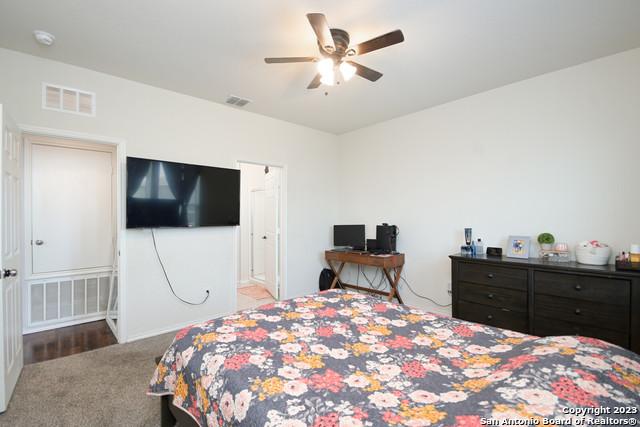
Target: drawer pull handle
490, 275
490, 317
578, 311
578, 287
490, 296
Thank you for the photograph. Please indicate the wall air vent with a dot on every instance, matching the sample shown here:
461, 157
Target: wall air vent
68, 100
237, 101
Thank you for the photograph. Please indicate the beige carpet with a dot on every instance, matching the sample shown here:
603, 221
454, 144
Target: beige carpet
104, 387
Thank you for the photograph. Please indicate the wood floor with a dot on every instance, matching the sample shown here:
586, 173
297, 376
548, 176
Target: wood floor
47, 345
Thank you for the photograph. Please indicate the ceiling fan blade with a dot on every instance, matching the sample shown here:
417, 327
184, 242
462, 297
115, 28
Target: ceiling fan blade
315, 83
320, 26
285, 60
366, 72
379, 42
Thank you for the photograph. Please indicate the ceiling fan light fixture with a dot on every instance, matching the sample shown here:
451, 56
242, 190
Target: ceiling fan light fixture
328, 78
347, 70
325, 66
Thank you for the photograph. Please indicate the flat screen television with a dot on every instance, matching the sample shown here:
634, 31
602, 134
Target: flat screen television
168, 194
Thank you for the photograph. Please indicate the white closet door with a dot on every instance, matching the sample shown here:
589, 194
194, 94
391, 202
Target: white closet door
11, 258
257, 234
272, 230
72, 223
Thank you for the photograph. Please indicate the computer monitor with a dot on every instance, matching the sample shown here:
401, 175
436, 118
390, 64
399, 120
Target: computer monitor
349, 235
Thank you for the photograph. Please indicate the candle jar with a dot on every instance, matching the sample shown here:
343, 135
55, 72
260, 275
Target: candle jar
561, 247
634, 253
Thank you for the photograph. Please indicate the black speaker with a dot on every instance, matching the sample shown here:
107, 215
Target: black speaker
372, 245
494, 251
386, 238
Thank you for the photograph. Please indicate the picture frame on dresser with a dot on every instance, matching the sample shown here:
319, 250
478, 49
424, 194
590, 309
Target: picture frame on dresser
518, 246
541, 298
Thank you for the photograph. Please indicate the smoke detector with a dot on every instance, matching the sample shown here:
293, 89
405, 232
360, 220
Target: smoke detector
44, 38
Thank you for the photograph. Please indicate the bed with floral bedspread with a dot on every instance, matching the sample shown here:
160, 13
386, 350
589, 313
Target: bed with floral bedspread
345, 359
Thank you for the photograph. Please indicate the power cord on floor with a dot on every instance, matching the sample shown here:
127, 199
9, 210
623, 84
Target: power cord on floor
422, 296
381, 282
361, 269
364, 274
155, 247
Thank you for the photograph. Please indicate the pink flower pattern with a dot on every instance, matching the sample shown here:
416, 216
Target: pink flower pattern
345, 359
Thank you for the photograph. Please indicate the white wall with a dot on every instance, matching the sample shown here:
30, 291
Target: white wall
253, 177
557, 153
161, 124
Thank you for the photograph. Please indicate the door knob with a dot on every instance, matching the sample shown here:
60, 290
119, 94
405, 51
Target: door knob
264, 237
9, 272
39, 242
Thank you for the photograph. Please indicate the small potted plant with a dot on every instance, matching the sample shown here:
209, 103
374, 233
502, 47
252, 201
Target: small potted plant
546, 241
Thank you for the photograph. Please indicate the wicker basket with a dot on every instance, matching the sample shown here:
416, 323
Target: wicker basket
593, 255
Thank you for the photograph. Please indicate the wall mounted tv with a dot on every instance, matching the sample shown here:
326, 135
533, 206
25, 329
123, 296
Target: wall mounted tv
168, 194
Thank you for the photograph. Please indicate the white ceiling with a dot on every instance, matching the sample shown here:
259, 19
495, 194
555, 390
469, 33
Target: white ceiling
213, 48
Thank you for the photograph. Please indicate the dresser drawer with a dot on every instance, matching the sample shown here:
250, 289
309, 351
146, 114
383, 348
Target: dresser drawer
582, 312
493, 296
588, 288
493, 316
512, 278
545, 327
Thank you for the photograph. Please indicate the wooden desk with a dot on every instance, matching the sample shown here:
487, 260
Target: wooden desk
387, 263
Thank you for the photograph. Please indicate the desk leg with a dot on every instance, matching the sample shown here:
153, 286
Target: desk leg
337, 274
394, 283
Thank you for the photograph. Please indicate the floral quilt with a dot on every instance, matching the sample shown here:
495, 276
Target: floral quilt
339, 358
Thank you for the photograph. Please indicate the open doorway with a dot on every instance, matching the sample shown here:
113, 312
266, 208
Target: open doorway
261, 242
71, 240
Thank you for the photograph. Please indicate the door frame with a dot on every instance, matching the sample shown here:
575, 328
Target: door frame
282, 261
119, 329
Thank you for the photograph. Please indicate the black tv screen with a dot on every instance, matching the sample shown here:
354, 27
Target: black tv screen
349, 235
168, 194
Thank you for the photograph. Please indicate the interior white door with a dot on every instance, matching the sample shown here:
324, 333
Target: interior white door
257, 235
11, 258
272, 230
71, 208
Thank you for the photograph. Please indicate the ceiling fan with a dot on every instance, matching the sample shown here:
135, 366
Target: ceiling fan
335, 52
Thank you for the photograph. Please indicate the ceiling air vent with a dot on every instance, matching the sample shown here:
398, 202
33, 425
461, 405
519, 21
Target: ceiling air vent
68, 100
237, 101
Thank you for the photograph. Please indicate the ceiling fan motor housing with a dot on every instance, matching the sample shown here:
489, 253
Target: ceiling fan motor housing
340, 40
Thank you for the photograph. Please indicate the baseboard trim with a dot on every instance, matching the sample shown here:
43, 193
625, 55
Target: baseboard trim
173, 328
47, 327
445, 311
